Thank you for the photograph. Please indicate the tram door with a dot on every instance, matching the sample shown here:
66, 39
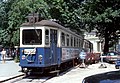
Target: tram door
53, 46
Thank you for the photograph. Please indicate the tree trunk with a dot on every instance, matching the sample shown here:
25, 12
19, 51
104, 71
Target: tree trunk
106, 45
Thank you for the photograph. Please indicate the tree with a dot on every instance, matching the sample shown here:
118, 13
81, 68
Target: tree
103, 15
5, 7
65, 11
13, 13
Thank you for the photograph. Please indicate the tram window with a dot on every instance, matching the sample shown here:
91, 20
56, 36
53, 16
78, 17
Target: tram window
77, 43
85, 44
74, 42
67, 38
32, 37
55, 36
47, 37
71, 41
81, 43
63, 39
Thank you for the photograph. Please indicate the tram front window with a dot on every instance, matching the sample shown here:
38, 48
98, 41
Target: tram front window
32, 37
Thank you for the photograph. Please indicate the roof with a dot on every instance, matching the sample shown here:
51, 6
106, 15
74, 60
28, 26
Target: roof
44, 23
48, 23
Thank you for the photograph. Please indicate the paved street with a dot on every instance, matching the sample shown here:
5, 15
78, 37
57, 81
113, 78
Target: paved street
9, 69
73, 75
76, 75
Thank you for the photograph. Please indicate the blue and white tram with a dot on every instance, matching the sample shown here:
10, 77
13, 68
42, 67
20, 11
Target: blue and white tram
46, 46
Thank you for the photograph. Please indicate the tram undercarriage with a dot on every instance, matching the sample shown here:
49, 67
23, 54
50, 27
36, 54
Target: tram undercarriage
51, 69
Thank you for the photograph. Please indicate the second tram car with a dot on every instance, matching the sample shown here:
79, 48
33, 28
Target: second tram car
46, 46
87, 46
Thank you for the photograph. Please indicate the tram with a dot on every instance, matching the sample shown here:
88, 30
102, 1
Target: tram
47, 46
87, 46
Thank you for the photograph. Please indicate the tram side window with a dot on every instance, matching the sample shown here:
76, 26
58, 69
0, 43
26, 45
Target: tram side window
63, 39
71, 41
47, 37
55, 36
85, 44
74, 42
67, 38
77, 43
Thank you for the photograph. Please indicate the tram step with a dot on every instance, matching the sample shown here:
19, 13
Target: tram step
56, 71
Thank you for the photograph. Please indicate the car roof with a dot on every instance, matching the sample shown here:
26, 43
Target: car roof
103, 78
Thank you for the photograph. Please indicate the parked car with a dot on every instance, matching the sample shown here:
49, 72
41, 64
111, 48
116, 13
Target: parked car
108, 77
92, 58
117, 63
95, 57
111, 57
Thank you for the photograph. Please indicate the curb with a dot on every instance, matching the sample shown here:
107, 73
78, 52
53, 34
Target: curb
11, 78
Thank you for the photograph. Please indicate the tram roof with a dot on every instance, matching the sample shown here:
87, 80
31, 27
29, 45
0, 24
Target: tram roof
44, 23
48, 23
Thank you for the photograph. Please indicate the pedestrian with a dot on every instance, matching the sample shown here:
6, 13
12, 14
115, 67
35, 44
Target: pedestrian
3, 54
82, 56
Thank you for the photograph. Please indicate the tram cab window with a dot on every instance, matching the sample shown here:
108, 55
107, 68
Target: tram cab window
32, 37
47, 37
62, 39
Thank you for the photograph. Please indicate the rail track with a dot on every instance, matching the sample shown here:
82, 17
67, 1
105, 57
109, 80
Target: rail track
34, 78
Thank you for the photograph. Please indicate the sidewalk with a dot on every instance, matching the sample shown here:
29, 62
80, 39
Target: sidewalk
9, 70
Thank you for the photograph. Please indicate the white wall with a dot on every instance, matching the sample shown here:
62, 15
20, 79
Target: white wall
93, 39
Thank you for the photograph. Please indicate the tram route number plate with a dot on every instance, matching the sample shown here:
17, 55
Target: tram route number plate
29, 51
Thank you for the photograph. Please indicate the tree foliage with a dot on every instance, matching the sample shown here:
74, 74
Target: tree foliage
103, 15
13, 13
64, 11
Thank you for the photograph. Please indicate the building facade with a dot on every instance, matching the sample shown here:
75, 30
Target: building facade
95, 40
97, 46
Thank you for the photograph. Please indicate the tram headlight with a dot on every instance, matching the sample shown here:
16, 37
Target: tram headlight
25, 69
40, 58
23, 57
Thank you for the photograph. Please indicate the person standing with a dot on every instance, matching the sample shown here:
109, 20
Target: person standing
82, 56
3, 54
